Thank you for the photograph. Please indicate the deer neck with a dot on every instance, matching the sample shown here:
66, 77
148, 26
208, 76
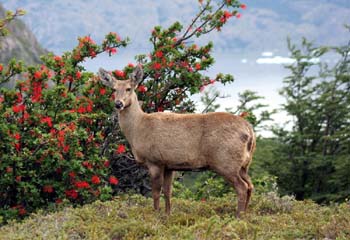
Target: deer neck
129, 118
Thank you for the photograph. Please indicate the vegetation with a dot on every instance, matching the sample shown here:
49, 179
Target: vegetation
60, 139
132, 217
61, 149
313, 159
17, 41
8, 17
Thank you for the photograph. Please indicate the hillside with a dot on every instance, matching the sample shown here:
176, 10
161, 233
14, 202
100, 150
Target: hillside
269, 22
132, 217
20, 44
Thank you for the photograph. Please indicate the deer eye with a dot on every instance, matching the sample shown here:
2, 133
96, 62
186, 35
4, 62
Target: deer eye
128, 89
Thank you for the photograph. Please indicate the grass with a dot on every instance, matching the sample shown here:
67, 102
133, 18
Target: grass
132, 217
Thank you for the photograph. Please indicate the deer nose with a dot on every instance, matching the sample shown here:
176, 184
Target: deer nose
119, 105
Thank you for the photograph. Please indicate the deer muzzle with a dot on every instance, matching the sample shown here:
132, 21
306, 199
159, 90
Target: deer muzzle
119, 105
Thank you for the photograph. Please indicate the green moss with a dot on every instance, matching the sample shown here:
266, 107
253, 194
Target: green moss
132, 217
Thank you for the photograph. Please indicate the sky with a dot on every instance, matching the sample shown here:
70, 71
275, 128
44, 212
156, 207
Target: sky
252, 48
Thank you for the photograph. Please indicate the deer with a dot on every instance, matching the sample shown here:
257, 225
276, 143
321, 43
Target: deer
165, 142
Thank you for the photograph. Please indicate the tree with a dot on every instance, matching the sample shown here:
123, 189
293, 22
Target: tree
209, 98
314, 156
9, 17
254, 112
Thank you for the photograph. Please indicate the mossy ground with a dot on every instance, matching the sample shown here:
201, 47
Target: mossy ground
132, 217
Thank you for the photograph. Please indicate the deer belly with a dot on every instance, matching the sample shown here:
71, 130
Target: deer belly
178, 159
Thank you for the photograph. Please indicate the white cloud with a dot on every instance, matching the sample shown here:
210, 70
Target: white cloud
275, 60
267, 54
282, 60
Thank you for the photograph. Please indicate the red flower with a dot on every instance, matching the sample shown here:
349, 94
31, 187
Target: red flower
117, 38
119, 74
157, 66
113, 180
131, 65
71, 193
19, 97
142, 88
17, 136
78, 75
87, 39
102, 91
79, 154
198, 66
37, 75
1, 67
92, 53
19, 108
36, 91
95, 179
58, 201
243, 6
22, 211
66, 148
81, 109
225, 17
60, 137
87, 164
48, 189
212, 81
121, 149
18, 147
89, 107
106, 163
238, 15
47, 120
57, 58
82, 184
227, 14
25, 115
171, 64
112, 50
72, 174
159, 54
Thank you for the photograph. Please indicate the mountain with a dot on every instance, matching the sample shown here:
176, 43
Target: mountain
20, 43
264, 26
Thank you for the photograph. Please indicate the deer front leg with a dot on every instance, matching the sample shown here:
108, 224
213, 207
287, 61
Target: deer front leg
157, 177
167, 186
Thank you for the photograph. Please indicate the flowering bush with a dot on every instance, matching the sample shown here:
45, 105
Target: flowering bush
57, 132
51, 128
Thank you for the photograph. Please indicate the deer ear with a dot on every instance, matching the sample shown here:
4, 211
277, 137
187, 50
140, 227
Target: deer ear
137, 75
105, 77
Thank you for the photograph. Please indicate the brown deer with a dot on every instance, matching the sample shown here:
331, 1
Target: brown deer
168, 142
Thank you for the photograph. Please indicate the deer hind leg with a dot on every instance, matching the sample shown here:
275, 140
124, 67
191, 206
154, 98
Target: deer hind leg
157, 177
167, 187
244, 175
241, 187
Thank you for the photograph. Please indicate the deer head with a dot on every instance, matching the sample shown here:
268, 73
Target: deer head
124, 90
